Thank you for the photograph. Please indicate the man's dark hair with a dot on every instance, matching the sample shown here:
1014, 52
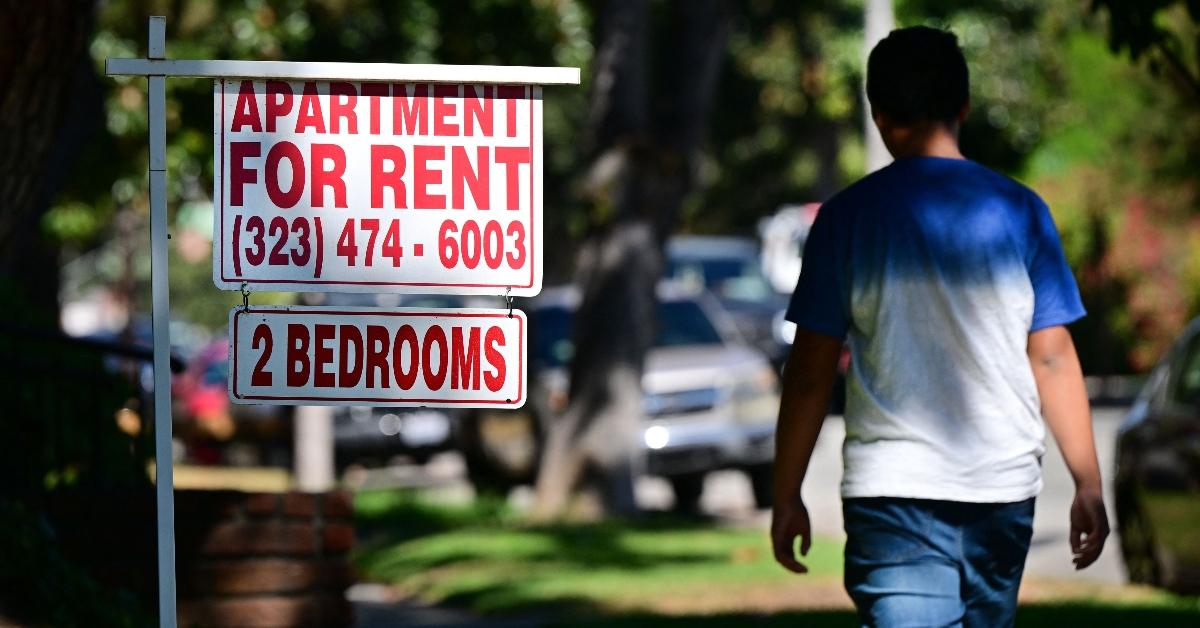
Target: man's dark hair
917, 74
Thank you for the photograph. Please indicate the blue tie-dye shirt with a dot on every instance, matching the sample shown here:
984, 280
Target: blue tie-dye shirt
935, 271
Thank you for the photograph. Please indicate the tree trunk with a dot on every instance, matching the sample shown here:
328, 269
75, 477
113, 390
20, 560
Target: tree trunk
645, 148
43, 62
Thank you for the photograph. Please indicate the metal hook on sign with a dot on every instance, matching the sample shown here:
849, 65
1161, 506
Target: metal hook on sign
509, 300
245, 297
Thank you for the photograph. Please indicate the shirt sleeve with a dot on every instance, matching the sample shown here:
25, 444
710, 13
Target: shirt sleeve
819, 302
1055, 294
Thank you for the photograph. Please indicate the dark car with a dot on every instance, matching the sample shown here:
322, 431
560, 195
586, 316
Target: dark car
1157, 481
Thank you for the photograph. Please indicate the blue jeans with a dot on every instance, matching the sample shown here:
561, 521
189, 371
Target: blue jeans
920, 562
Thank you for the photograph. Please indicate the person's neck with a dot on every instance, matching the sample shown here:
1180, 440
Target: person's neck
934, 141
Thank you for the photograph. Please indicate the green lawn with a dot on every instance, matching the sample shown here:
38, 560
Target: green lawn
661, 571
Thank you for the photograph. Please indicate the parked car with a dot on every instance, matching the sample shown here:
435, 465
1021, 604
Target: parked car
710, 399
1157, 481
730, 269
217, 431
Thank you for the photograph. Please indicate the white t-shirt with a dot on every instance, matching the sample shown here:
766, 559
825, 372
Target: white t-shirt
935, 271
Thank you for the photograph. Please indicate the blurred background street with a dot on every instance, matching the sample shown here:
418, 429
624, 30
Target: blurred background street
680, 181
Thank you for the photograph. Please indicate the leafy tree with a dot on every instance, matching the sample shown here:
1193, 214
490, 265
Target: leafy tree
101, 215
648, 117
1166, 32
43, 88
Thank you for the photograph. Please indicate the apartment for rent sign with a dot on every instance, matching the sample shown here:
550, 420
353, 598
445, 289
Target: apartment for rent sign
377, 187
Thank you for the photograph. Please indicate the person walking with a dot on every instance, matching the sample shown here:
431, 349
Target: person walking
948, 283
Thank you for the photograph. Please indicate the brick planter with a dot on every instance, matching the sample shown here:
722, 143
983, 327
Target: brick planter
242, 559
262, 559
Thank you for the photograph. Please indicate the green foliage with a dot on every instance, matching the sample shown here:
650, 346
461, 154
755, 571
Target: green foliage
1116, 166
1007, 53
41, 587
52, 440
1110, 144
1166, 32
103, 210
787, 104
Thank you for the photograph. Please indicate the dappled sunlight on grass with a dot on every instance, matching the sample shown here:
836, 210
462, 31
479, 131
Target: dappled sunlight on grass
660, 571
660, 563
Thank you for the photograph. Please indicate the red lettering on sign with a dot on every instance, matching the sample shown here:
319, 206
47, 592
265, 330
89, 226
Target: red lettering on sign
239, 175
262, 336
391, 178
374, 91
434, 334
331, 177
443, 108
342, 109
349, 372
409, 113
510, 94
285, 150
494, 338
245, 112
477, 109
309, 115
478, 179
406, 336
277, 107
323, 355
377, 350
423, 177
512, 157
297, 355
465, 373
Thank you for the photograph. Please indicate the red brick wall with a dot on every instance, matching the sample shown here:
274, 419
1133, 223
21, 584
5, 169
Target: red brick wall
264, 560
242, 559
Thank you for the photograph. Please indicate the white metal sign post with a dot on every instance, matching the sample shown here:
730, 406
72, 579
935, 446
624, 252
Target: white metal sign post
461, 191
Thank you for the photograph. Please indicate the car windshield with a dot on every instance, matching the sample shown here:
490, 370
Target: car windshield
680, 323
738, 278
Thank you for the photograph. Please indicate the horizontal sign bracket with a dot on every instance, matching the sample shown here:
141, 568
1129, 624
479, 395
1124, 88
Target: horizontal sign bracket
330, 71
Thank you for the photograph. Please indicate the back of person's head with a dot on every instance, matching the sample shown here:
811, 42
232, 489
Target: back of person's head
917, 75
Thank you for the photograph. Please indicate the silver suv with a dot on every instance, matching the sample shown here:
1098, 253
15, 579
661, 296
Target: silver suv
710, 399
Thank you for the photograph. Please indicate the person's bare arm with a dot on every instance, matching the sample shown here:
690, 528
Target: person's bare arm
1065, 406
808, 380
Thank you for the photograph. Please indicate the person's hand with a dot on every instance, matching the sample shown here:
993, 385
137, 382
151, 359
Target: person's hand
1089, 527
789, 519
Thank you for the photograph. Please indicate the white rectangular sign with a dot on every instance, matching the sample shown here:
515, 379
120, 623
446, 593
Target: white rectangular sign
467, 357
335, 186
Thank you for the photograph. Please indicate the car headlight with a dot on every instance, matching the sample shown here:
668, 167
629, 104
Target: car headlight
756, 397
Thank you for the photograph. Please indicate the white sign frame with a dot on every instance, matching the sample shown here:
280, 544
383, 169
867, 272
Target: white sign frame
420, 271
243, 367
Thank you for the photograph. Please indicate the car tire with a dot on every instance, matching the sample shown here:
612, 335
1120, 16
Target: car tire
688, 489
761, 477
1137, 541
